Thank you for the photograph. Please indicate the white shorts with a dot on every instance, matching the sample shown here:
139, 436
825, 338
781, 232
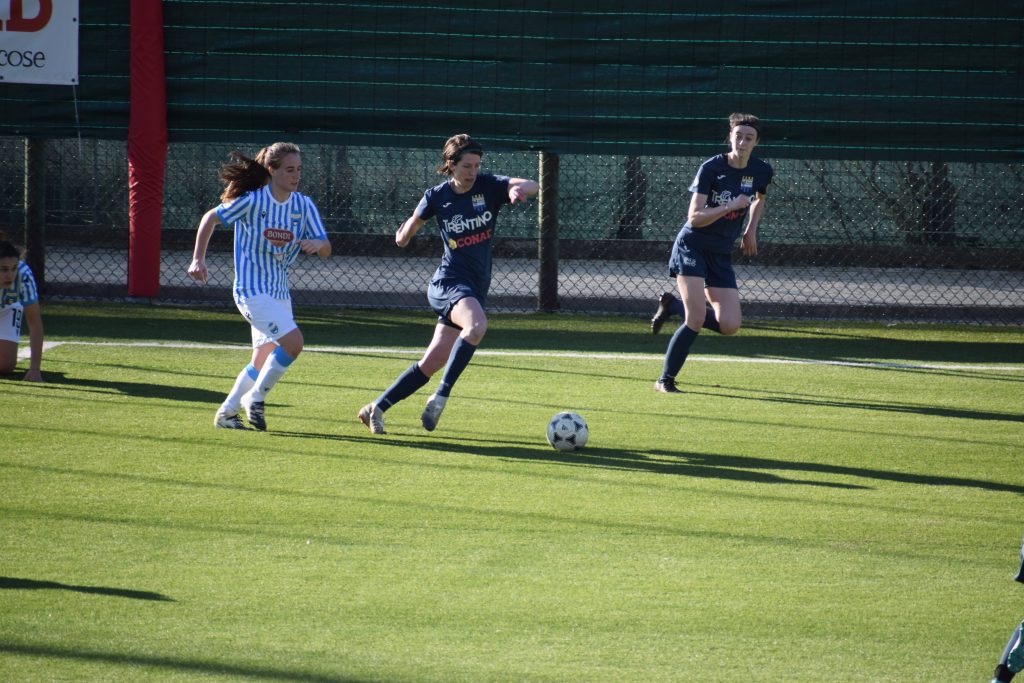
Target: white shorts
10, 322
270, 318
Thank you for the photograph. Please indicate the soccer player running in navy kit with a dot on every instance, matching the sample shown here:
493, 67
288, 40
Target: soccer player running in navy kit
466, 208
273, 223
19, 301
728, 190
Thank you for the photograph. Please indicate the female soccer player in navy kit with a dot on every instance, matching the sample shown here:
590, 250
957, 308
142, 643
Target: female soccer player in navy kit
728, 188
273, 223
19, 301
466, 207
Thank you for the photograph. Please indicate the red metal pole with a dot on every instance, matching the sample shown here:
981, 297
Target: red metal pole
147, 147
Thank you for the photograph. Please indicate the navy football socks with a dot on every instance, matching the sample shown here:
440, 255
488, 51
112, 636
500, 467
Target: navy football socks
678, 350
405, 386
461, 354
711, 320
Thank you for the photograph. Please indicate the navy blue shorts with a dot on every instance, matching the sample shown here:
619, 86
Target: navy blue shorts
444, 294
715, 268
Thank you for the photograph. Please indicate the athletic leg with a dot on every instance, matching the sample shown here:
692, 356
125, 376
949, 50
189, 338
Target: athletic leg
469, 315
278, 360
1012, 661
10, 332
724, 304
8, 356
668, 305
227, 413
1014, 653
277, 363
414, 378
691, 289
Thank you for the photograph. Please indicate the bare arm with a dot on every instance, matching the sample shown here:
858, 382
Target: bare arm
749, 242
700, 215
197, 270
34, 318
408, 230
520, 189
321, 248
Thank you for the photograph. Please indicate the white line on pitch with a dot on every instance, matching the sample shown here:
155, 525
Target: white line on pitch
557, 354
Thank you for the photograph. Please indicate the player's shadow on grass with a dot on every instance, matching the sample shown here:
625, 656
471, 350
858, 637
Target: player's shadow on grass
667, 463
200, 667
10, 583
702, 465
883, 406
728, 461
60, 381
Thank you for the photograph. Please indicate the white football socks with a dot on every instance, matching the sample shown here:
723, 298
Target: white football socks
273, 369
245, 381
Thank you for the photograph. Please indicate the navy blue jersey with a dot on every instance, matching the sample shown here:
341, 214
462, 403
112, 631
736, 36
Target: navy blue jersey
466, 222
722, 183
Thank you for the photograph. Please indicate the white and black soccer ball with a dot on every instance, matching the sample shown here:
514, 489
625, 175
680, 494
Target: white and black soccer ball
568, 432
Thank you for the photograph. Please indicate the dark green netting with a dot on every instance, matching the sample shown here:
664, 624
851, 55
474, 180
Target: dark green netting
840, 80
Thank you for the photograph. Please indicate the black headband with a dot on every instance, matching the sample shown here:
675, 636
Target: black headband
468, 149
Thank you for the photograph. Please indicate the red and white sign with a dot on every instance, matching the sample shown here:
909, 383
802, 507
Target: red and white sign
39, 41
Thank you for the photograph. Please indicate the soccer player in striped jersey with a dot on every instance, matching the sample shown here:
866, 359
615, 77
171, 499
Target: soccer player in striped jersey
19, 302
273, 223
1012, 661
466, 207
728, 192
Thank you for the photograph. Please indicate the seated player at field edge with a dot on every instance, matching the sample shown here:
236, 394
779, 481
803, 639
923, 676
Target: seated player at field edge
19, 302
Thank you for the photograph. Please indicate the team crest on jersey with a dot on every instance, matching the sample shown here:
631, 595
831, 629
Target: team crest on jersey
279, 237
747, 183
296, 221
479, 203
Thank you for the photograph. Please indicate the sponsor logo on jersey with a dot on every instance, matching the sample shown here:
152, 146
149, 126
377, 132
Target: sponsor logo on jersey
721, 198
724, 197
279, 237
479, 203
460, 224
470, 240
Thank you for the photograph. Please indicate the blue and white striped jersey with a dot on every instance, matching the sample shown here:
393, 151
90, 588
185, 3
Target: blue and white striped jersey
23, 291
267, 234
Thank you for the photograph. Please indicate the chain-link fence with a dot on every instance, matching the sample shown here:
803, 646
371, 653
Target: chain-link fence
853, 239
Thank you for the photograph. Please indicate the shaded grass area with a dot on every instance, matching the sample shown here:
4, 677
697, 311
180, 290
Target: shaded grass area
773, 522
759, 338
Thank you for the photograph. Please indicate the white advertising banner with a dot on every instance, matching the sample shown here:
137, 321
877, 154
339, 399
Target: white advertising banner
39, 41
